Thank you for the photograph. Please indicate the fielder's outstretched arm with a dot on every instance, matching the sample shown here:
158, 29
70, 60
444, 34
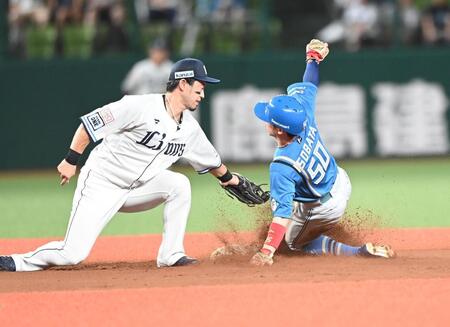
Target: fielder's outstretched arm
225, 177
240, 187
68, 165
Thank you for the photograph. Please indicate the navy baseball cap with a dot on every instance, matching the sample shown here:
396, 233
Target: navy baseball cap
191, 68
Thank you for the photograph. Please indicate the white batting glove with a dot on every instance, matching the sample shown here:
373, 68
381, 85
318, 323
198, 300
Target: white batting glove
316, 50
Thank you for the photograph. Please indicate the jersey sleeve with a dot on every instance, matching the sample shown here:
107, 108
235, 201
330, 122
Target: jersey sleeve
305, 93
282, 189
110, 118
200, 153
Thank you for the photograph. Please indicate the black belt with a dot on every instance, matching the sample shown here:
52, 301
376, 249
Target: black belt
327, 196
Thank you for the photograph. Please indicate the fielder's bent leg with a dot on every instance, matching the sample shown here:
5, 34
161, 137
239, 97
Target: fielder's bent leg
174, 190
95, 202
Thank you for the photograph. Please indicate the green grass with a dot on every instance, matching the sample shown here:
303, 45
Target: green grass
403, 193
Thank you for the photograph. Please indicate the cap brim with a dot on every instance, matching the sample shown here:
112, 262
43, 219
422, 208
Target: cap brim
260, 111
208, 79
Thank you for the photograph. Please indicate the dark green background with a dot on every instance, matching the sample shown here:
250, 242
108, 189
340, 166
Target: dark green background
40, 101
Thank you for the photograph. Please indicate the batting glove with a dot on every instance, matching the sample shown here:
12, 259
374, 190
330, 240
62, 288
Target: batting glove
261, 259
316, 50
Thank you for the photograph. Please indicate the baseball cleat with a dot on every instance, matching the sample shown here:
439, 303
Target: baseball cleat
7, 264
370, 250
185, 261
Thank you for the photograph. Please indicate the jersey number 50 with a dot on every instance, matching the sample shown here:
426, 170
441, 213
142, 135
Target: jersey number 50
318, 164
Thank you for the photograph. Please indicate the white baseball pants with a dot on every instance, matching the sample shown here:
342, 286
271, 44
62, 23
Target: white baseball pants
96, 201
310, 220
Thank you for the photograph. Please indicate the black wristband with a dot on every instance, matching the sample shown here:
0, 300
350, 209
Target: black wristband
72, 157
225, 177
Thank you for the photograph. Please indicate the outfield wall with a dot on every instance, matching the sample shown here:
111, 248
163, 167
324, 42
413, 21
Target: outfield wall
385, 103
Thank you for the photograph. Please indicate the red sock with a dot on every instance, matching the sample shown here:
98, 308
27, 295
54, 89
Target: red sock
274, 238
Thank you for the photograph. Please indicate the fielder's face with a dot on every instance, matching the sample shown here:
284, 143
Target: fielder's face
192, 94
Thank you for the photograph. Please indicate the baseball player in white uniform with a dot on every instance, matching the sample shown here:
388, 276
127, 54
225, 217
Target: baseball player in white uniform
143, 135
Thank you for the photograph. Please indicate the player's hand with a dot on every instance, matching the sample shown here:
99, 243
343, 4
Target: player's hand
233, 181
316, 50
261, 259
66, 171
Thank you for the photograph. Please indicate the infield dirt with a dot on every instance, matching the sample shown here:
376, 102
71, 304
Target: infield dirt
120, 285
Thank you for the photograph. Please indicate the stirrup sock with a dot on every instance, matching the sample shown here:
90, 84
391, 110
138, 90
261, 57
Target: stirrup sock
326, 245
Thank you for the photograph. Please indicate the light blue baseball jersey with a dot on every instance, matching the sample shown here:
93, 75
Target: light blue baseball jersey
303, 170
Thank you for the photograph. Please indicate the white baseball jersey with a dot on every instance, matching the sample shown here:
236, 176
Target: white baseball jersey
128, 172
140, 139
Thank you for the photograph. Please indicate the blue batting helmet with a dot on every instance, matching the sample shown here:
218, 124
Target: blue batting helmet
283, 111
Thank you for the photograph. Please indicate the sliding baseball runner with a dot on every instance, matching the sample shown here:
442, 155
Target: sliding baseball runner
309, 191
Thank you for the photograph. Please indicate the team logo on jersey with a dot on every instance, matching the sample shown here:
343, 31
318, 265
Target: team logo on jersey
106, 115
299, 89
96, 121
273, 205
153, 140
174, 149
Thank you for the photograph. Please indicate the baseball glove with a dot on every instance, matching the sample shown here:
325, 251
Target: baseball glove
316, 50
247, 192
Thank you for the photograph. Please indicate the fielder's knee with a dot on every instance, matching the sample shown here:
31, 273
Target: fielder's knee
74, 258
182, 186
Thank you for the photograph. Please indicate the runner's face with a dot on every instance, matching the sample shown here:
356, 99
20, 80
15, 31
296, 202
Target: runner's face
271, 130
